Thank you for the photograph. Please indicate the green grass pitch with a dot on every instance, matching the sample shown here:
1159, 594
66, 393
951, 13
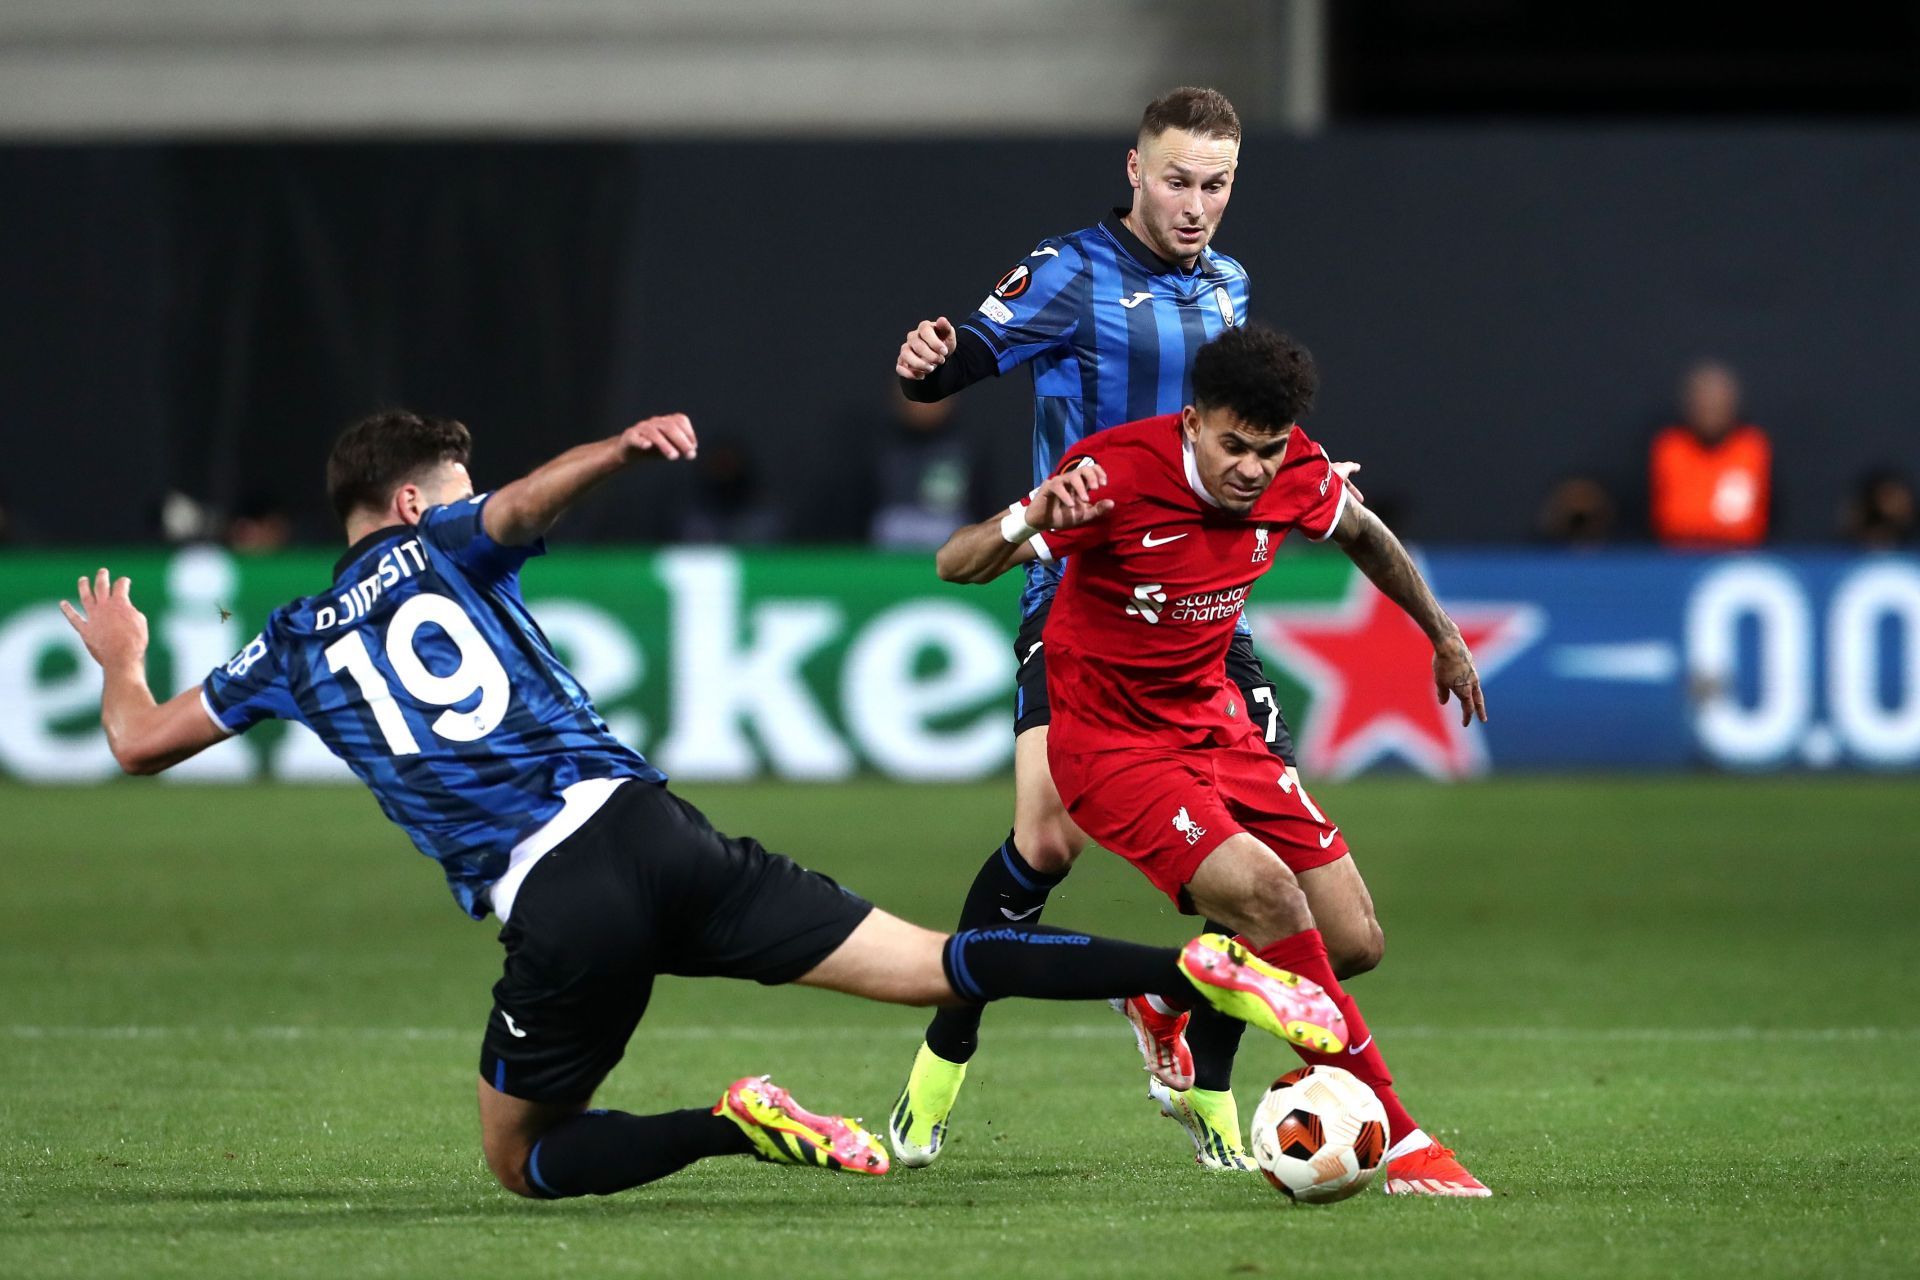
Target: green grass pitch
1671, 1022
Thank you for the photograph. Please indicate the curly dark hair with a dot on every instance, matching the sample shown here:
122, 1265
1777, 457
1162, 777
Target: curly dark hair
1263, 377
383, 451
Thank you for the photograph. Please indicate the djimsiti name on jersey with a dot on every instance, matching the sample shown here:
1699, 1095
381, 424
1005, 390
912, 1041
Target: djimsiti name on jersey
357, 599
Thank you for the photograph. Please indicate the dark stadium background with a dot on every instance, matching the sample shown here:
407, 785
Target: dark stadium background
1511, 235
1649, 932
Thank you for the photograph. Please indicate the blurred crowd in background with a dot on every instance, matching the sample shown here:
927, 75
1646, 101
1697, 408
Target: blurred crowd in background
1506, 223
1707, 485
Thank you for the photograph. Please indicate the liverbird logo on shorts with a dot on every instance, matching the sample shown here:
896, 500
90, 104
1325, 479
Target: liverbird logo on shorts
1187, 827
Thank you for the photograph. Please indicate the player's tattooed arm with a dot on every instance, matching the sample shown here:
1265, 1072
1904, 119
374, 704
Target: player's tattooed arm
144, 736
1375, 550
982, 552
522, 512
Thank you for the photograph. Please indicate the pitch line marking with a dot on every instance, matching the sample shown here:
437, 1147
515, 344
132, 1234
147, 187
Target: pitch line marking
1074, 1031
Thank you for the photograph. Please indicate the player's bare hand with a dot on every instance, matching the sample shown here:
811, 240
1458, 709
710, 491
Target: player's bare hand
670, 436
1346, 470
1066, 501
112, 629
1454, 676
927, 347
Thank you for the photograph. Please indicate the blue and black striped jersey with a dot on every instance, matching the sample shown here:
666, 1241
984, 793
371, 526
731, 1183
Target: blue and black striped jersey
422, 669
1110, 330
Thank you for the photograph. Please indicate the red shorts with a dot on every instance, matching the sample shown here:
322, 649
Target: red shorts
1164, 810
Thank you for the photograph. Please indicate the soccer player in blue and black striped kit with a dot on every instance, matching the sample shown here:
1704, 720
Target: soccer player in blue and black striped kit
421, 667
1108, 319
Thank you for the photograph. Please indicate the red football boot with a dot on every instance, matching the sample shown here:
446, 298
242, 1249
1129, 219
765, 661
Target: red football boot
1163, 1041
1433, 1170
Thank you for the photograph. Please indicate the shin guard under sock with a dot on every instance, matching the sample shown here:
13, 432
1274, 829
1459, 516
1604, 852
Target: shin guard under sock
1305, 953
597, 1153
1053, 964
1005, 890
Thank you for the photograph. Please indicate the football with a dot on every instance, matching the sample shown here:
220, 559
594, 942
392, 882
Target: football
1319, 1135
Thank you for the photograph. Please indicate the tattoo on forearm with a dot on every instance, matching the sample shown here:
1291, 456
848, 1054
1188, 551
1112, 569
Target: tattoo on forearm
1378, 554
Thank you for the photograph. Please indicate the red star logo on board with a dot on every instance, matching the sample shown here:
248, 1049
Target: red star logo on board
1370, 669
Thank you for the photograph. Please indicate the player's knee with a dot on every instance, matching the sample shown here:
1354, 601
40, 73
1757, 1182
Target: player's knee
516, 1182
509, 1165
1048, 847
1278, 906
1357, 955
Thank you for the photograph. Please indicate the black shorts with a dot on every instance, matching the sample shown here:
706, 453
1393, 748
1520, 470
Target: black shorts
1030, 708
646, 887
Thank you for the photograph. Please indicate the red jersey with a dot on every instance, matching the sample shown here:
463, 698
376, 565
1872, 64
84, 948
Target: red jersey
1137, 637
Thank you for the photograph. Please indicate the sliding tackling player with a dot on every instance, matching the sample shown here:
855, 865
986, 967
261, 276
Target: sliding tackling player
421, 668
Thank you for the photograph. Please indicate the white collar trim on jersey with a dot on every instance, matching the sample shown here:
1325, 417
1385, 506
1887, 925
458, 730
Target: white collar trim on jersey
1193, 472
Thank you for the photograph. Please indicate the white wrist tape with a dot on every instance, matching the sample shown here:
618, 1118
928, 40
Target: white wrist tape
1013, 525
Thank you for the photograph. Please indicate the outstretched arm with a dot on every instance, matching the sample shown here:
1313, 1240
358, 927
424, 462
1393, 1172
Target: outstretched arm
937, 360
144, 736
523, 511
982, 552
1378, 554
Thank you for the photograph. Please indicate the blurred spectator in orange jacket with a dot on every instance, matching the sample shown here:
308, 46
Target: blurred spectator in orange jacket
1711, 474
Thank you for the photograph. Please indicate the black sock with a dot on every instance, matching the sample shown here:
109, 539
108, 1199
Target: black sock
1006, 889
1054, 964
1213, 1037
598, 1153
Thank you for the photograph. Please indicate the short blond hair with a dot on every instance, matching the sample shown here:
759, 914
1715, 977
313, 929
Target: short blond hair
1200, 111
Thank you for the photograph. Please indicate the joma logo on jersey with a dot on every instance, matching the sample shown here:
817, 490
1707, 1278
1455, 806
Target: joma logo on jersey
1187, 827
1147, 599
1260, 544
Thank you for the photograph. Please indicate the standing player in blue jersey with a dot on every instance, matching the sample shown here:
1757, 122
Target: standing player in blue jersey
1109, 319
421, 668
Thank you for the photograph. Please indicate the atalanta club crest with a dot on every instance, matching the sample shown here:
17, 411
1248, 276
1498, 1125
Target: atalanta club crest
1014, 283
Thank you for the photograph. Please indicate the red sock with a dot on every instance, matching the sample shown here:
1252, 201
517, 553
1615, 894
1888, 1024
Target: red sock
1305, 953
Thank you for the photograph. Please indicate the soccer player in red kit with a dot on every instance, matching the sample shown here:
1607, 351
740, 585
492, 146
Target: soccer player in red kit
1168, 522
